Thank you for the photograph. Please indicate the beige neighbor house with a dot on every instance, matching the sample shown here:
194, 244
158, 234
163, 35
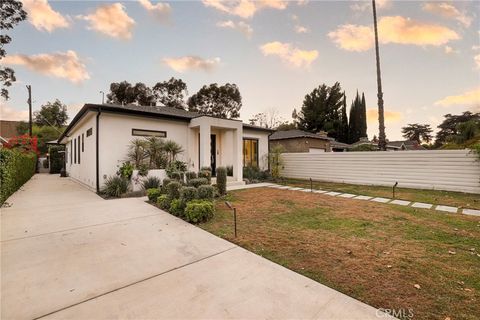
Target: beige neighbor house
98, 138
294, 141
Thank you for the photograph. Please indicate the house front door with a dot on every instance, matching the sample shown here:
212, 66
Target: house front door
213, 153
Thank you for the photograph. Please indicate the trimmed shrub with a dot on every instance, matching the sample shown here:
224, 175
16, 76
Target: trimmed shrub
206, 172
173, 190
177, 207
153, 194
126, 170
188, 194
56, 158
190, 175
16, 168
165, 183
115, 186
177, 175
255, 174
151, 183
198, 182
230, 171
199, 211
206, 192
163, 202
222, 180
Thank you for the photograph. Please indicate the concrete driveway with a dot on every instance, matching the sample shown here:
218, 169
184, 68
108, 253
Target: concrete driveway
67, 253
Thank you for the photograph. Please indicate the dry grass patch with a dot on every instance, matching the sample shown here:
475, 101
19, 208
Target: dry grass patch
373, 252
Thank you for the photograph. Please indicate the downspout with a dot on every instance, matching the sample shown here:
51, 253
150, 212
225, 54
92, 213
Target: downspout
268, 153
97, 149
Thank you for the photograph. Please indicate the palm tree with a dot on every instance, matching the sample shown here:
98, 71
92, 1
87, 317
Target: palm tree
382, 139
172, 149
137, 151
418, 132
155, 152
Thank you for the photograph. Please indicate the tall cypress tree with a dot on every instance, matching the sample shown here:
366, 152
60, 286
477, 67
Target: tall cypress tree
343, 136
363, 118
358, 119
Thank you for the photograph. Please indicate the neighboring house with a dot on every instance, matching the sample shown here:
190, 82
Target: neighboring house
391, 145
301, 141
339, 146
98, 137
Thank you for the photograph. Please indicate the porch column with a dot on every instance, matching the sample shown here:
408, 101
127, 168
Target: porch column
238, 154
204, 146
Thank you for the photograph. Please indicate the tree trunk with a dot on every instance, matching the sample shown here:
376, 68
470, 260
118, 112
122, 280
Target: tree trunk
382, 142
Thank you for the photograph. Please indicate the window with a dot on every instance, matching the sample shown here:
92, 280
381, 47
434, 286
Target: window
250, 152
89, 132
74, 150
149, 133
71, 151
66, 154
83, 138
78, 138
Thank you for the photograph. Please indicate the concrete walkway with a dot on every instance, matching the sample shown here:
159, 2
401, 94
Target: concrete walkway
68, 254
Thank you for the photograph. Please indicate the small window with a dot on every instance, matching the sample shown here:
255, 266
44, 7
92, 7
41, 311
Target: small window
89, 132
250, 152
149, 133
74, 150
83, 138
78, 138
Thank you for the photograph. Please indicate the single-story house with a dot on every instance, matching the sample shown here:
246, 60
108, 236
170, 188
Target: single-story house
391, 145
98, 137
301, 141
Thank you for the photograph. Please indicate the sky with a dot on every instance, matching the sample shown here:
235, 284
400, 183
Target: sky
275, 51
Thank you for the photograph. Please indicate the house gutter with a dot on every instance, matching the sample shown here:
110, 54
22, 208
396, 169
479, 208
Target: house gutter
99, 112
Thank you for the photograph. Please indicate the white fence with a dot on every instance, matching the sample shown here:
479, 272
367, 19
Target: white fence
453, 170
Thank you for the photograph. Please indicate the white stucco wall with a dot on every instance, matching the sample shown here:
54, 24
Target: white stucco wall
262, 137
83, 172
116, 134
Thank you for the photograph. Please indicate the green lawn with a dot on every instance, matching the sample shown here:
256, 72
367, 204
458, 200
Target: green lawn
373, 252
457, 199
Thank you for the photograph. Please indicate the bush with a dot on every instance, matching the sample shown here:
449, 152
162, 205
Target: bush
198, 182
56, 158
222, 180
255, 174
163, 202
206, 172
173, 190
163, 188
150, 183
115, 186
16, 168
126, 170
190, 175
199, 211
177, 207
176, 176
230, 171
206, 192
143, 170
175, 166
153, 194
188, 194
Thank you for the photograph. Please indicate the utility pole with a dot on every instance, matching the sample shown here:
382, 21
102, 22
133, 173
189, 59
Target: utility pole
382, 139
29, 88
103, 97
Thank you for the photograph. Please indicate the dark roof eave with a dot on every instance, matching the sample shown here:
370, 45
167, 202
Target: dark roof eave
249, 126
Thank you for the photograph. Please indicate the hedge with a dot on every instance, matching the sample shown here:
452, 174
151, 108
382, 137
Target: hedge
56, 158
16, 168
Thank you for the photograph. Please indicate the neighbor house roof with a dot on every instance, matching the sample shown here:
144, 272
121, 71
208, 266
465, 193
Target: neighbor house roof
8, 128
339, 145
146, 111
409, 145
295, 133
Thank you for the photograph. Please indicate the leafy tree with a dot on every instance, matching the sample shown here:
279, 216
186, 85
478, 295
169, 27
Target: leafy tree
418, 132
287, 126
171, 93
268, 119
44, 134
11, 13
218, 101
449, 126
358, 119
343, 135
321, 110
466, 131
51, 114
124, 93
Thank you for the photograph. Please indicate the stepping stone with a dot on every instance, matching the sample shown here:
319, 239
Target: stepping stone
471, 212
306, 190
320, 191
400, 202
363, 198
422, 205
381, 200
274, 186
447, 209
295, 189
347, 195
283, 187
331, 193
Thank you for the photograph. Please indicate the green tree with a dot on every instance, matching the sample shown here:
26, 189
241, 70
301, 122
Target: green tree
11, 14
124, 93
343, 136
51, 114
171, 93
321, 110
449, 126
218, 101
358, 119
285, 126
44, 133
418, 132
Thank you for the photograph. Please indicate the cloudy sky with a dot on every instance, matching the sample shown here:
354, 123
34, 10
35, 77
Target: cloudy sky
275, 51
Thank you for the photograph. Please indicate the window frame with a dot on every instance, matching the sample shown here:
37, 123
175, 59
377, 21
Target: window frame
89, 132
163, 133
257, 165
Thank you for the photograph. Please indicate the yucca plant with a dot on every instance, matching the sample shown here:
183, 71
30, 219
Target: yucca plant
151, 182
115, 186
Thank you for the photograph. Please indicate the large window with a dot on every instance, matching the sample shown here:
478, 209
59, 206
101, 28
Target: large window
250, 152
149, 133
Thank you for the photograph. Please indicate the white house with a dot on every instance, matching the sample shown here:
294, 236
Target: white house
97, 140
